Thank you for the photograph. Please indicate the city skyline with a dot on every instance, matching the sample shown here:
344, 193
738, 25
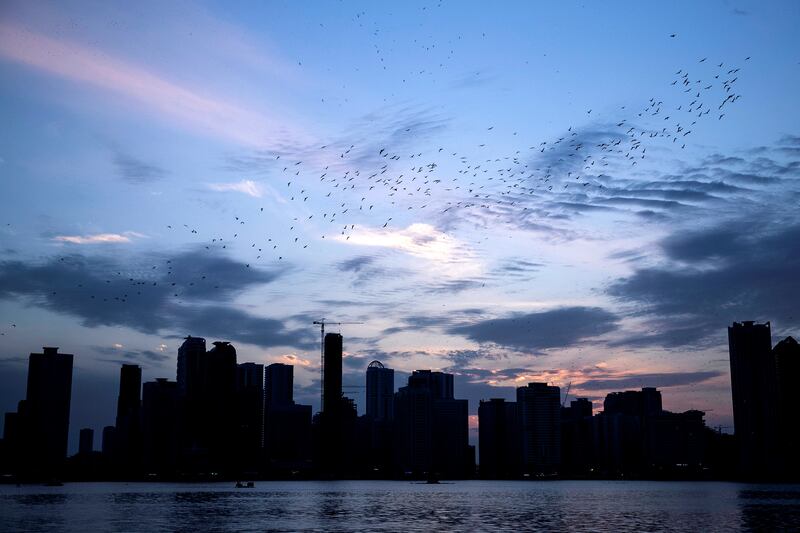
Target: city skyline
225, 419
519, 195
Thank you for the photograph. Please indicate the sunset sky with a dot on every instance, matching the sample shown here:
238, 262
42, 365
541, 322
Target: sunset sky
571, 192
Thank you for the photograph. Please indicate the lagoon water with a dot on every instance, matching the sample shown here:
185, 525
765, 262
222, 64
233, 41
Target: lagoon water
400, 506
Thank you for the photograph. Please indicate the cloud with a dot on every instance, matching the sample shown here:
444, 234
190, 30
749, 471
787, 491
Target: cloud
419, 240
666, 379
98, 238
247, 187
190, 293
137, 171
741, 270
200, 113
355, 264
557, 328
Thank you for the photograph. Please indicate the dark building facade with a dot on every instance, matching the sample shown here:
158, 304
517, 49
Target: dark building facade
577, 439
787, 365
287, 426
431, 428
45, 415
380, 392
539, 411
754, 388
160, 427
127, 449
332, 372
279, 384
86, 441
207, 396
499, 440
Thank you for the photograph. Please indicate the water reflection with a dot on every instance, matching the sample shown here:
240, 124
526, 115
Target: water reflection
392, 506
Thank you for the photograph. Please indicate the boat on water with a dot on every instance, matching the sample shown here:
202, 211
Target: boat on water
248, 485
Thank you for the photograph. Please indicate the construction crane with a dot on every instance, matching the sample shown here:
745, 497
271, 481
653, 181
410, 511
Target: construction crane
566, 395
321, 323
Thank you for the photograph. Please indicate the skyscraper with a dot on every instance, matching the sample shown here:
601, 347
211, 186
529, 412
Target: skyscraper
332, 372
160, 416
128, 434
207, 396
431, 427
278, 384
46, 416
250, 411
539, 411
380, 392
577, 437
287, 426
498, 439
754, 384
787, 364
86, 441
190, 356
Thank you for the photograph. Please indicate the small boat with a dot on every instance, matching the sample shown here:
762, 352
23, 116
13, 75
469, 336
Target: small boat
248, 485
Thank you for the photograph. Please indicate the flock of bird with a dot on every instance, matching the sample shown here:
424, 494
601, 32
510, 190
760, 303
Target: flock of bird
369, 185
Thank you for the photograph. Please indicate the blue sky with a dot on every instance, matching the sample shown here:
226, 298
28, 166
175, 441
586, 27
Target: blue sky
202, 139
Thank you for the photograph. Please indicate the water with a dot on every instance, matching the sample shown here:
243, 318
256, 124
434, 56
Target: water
399, 506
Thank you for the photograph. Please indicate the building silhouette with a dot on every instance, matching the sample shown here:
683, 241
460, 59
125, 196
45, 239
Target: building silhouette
332, 373
160, 427
250, 412
499, 439
279, 384
380, 392
375, 427
431, 428
539, 411
44, 415
127, 448
787, 365
287, 425
223, 420
754, 388
86, 441
577, 439
334, 432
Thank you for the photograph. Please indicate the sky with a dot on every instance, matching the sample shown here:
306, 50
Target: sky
579, 193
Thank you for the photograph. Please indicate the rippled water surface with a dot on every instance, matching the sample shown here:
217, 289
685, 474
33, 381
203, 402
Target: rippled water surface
400, 506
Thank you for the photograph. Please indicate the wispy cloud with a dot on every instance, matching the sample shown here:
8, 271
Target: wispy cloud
247, 187
419, 240
98, 238
200, 113
135, 170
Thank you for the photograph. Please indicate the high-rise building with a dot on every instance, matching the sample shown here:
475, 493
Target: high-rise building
539, 411
754, 388
86, 441
46, 417
128, 446
577, 438
250, 410
160, 417
380, 392
498, 439
190, 357
431, 427
287, 426
207, 396
332, 372
278, 384
787, 365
